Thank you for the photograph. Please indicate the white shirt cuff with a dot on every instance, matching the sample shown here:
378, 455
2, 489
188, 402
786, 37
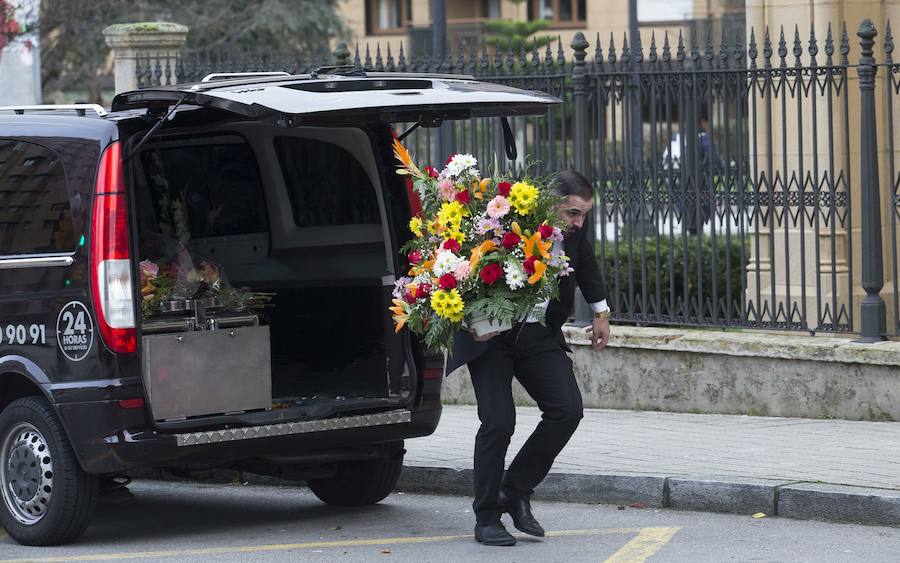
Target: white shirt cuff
599, 306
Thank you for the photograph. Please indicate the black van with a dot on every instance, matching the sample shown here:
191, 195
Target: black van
200, 278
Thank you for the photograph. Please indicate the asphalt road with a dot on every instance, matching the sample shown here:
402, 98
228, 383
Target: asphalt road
196, 522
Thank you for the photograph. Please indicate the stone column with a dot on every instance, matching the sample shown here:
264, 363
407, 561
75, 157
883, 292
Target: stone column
838, 270
128, 40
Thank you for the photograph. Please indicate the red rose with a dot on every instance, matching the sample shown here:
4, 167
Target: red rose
423, 290
409, 297
452, 245
491, 273
546, 231
510, 240
431, 171
414, 257
449, 158
503, 188
529, 265
463, 197
447, 281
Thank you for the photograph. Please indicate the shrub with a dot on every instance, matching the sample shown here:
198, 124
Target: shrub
679, 271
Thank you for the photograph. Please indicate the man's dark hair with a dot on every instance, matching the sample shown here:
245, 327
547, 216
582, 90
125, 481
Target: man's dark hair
569, 182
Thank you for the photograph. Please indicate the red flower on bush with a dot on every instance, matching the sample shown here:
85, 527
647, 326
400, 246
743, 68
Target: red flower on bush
491, 273
423, 290
431, 171
447, 281
414, 257
452, 245
463, 197
529, 265
510, 240
546, 231
503, 188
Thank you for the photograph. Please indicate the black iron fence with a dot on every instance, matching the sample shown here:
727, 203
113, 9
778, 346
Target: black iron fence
729, 174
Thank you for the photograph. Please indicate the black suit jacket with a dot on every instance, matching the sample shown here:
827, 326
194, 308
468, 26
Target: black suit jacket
587, 276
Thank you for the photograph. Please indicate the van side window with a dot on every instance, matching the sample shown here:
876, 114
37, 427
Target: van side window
35, 217
215, 183
326, 184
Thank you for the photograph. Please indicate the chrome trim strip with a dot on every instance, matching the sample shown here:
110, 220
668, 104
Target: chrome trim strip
47, 261
401, 416
96, 108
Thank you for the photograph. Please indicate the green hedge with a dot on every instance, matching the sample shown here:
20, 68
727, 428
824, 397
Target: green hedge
672, 260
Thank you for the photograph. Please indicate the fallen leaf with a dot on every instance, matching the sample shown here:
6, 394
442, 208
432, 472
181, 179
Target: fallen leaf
637, 505
759, 515
334, 529
621, 507
385, 551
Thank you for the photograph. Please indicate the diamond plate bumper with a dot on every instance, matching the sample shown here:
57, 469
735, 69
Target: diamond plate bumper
401, 416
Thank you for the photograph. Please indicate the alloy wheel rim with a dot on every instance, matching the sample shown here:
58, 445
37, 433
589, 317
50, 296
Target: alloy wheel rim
26, 473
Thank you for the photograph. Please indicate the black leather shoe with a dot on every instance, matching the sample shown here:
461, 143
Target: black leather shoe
493, 533
520, 510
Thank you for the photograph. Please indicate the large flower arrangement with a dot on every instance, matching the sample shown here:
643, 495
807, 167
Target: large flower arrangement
482, 248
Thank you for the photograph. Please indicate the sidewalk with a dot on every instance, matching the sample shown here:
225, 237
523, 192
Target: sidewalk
805, 468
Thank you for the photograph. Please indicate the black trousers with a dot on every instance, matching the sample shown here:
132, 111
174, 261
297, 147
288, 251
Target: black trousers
535, 358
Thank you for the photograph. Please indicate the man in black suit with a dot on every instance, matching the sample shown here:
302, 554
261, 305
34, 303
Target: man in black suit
536, 356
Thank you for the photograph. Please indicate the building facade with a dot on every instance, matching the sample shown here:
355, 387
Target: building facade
392, 22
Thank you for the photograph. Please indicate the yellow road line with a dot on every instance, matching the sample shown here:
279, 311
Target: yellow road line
646, 543
306, 545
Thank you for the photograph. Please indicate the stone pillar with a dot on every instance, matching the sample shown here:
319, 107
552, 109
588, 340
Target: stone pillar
128, 40
836, 276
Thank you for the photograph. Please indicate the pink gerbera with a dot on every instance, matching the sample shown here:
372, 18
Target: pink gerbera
461, 273
447, 190
498, 207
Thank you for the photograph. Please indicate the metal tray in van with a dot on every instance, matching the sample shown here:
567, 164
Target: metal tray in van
210, 372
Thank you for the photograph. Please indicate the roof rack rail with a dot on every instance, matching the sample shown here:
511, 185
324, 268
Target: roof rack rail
227, 75
79, 108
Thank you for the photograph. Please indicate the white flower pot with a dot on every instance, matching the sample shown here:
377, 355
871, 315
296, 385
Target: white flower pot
482, 325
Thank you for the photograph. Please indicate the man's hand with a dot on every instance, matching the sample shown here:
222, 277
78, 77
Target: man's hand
599, 330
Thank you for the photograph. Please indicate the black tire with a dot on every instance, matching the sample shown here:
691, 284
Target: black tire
360, 483
61, 508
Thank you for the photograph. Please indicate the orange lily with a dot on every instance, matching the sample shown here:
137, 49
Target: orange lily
534, 245
480, 251
480, 188
400, 314
539, 269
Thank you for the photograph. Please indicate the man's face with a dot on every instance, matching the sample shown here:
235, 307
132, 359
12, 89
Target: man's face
574, 210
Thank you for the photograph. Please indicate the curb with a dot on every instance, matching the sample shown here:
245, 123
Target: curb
792, 499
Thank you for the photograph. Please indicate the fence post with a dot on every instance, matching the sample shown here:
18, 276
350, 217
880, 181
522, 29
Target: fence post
872, 308
341, 54
580, 118
130, 40
580, 149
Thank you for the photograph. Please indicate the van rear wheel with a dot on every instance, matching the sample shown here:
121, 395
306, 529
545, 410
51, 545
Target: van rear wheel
363, 482
45, 496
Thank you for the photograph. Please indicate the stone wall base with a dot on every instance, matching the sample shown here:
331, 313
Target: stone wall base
751, 373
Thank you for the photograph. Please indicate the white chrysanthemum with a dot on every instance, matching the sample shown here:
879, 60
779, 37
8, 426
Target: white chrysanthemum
460, 163
445, 263
515, 274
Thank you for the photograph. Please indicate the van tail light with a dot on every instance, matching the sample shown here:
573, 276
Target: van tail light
131, 403
111, 283
434, 366
432, 373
